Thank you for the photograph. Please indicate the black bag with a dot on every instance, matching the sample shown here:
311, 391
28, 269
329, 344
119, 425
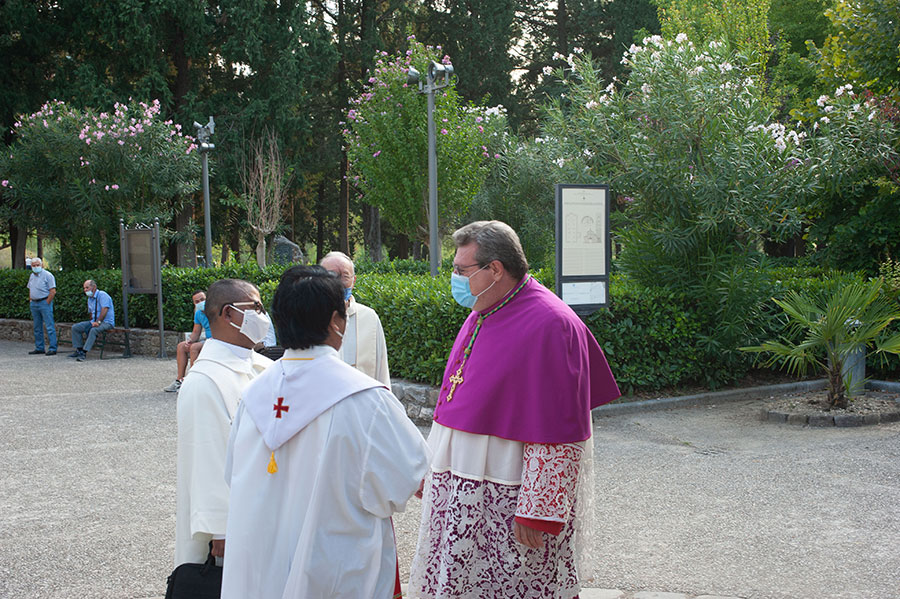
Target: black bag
196, 581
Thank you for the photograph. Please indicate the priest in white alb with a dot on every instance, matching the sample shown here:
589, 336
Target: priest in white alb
320, 457
363, 346
207, 402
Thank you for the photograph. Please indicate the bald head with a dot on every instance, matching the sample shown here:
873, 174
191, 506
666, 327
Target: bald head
340, 264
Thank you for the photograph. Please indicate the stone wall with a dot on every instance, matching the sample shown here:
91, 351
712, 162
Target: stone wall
143, 342
418, 399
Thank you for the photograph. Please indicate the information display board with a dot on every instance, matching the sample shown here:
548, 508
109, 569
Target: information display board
582, 246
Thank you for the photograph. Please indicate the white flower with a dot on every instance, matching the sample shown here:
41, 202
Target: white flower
829, 108
714, 44
825, 120
646, 88
822, 101
871, 116
590, 105
779, 143
611, 87
548, 70
538, 140
681, 38
560, 162
725, 67
577, 50
634, 49
557, 56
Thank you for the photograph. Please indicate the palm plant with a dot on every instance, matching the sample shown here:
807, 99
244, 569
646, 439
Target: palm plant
832, 326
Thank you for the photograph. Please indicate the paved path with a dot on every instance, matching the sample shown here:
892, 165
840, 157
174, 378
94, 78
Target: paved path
695, 502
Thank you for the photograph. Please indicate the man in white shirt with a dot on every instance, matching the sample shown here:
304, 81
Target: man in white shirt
363, 346
207, 403
320, 457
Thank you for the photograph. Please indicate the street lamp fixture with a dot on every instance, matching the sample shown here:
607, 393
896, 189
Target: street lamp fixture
203, 134
437, 77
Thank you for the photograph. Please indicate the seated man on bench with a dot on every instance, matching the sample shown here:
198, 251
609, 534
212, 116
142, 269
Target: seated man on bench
190, 349
103, 318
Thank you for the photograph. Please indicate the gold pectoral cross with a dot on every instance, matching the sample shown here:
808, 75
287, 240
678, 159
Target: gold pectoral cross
456, 379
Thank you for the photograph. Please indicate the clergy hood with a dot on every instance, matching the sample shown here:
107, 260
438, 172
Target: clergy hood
534, 374
297, 389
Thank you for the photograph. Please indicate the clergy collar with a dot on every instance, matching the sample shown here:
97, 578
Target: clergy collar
316, 351
243, 353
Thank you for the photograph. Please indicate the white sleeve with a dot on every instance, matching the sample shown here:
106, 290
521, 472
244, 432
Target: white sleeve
229, 453
382, 372
395, 459
205, 425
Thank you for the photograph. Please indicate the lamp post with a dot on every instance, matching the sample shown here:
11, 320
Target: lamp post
438, 77
203, 134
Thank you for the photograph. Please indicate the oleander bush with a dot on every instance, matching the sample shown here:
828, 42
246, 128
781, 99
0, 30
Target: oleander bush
652, 337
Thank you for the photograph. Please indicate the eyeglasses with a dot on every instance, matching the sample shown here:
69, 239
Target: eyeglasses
457, 269
257, 306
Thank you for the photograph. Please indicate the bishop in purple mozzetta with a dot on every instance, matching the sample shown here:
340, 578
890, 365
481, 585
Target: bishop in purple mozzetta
511, 479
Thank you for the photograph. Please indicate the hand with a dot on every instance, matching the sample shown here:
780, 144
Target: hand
530, 537
48, 300
421, 489
218, 548
95, 324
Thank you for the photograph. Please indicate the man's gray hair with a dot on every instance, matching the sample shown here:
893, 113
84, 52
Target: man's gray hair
494, 240
341, 255
91, 282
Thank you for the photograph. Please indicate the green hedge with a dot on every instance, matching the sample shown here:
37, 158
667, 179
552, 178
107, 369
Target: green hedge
652, 337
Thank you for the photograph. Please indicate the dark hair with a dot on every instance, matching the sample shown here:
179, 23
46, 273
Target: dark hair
224, 292
304, 302
494, 240
198, 291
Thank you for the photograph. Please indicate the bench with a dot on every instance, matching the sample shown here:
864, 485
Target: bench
102, 341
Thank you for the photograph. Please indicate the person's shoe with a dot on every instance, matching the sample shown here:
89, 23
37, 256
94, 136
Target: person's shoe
174, 387
74, 354
82, 355
35, 352
52, 352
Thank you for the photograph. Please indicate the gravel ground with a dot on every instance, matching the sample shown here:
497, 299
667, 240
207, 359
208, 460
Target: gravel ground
700, 501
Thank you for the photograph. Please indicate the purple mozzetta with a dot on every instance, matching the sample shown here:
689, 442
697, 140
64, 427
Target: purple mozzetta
534, 373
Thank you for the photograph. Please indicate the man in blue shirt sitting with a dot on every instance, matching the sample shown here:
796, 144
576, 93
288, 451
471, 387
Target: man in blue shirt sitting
190, 349
103, 318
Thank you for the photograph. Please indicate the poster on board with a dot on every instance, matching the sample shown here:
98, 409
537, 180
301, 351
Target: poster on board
582, 246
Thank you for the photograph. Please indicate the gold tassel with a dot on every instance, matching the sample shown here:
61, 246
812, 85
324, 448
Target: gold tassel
273, 467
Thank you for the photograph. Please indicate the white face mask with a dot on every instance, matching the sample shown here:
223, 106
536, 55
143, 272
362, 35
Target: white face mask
255, 326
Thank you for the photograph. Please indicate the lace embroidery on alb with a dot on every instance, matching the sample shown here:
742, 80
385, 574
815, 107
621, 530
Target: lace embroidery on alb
466, 548
549, 478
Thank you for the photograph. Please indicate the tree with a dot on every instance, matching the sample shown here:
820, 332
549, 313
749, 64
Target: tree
265, 184
387, 145
72, 174
864, 48
831, 328
742, 24
703, 172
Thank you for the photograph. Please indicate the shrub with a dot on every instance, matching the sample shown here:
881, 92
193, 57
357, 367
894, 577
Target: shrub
653, 337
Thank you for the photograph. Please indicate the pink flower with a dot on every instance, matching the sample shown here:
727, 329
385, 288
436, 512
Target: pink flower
5, 183
496, 155
480, 129
375, 155
106, 188
115, 187
444, 132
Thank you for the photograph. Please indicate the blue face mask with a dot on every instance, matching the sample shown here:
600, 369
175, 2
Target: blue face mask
462, 293
36, 269
348, 291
